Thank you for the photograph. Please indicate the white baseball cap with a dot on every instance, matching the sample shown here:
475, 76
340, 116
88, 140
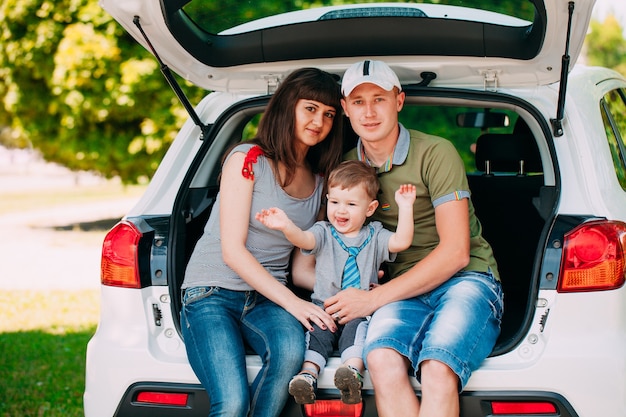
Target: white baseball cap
369, 71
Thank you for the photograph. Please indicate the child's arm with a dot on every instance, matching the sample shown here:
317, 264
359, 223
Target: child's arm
401, 240
276, 219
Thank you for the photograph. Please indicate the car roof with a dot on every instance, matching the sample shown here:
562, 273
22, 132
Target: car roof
461, 46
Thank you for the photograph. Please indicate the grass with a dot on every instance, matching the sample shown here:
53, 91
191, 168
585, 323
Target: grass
44, 334
43, 339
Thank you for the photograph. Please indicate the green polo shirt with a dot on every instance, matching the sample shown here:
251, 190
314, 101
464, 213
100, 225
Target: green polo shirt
435, 167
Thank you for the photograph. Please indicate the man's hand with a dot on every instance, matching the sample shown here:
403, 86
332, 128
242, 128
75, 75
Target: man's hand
350, 304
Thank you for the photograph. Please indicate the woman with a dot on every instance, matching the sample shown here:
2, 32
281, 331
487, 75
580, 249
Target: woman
234, 287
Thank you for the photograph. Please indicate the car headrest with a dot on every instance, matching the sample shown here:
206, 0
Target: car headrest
505, 151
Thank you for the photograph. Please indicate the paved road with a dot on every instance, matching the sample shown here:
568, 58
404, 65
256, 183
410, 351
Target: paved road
36, 249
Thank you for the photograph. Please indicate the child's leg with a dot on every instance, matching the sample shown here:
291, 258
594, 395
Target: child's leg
351, 341
349, 382
356, 364
348, 377
304, 384
310, 368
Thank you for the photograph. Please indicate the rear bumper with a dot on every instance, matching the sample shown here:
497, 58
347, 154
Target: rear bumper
473, 404
574, 364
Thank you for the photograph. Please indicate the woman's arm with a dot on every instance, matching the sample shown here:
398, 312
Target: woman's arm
235, 208
303, 270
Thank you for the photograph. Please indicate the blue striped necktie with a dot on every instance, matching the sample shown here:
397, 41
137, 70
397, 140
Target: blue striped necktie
351, 276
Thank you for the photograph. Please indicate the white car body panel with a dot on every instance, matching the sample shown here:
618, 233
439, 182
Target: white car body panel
451, 71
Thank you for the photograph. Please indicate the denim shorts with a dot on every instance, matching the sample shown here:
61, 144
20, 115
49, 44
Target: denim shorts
457, 324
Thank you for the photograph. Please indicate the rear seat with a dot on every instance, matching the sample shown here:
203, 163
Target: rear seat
509, 178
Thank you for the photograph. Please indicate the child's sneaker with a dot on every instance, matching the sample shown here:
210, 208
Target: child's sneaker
302, 387
349, 382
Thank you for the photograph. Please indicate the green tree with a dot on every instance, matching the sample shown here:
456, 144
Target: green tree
213, 17
77, 87
606, 46
82, 91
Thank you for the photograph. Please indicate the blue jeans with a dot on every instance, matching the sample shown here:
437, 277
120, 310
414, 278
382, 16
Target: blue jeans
216, 325
457, 324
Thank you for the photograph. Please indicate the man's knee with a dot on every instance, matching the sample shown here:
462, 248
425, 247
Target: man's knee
386, 362
437, 374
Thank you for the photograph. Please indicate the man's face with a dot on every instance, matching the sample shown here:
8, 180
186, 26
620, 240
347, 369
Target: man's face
373, 112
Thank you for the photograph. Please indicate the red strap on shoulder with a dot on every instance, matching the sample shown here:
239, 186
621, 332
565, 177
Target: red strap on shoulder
251, 158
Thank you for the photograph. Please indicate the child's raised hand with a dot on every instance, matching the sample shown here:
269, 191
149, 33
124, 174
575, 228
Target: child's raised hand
406, 194
273, 218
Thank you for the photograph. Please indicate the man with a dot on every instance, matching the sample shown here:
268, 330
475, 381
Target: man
439, 315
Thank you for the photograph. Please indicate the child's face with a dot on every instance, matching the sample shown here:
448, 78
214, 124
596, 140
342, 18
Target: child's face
348, 208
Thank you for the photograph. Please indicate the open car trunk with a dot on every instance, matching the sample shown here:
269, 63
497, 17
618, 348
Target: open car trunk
512, 196
450, 58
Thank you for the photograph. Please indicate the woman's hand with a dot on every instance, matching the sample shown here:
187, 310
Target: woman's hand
308, 313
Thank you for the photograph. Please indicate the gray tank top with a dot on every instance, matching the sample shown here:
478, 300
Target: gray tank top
270, 247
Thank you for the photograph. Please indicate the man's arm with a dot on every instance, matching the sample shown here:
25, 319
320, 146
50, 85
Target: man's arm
449, 257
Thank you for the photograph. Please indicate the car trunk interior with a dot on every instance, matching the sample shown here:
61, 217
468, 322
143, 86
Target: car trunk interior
512, 198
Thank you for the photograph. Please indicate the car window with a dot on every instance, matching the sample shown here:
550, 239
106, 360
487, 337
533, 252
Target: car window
435, 120
213, 17
443, 121
251, 128
613, 107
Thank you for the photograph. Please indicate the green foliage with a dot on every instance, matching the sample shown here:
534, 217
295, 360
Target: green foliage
77, 87
441, 121
613, 102
606, 45
213, 17
82, 91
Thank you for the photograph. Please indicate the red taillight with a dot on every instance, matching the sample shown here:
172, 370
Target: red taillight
119, 266
163, 398
593, 257
333, 408
501, 408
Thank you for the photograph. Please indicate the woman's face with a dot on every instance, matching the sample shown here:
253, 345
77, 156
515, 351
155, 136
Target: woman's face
314, 120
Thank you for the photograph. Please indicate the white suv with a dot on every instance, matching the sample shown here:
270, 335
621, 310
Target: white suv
544, 143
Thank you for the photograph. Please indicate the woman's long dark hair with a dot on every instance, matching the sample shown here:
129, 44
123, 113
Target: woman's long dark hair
277, 126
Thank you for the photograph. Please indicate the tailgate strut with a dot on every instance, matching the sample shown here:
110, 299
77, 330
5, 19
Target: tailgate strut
167, 73
557, 122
